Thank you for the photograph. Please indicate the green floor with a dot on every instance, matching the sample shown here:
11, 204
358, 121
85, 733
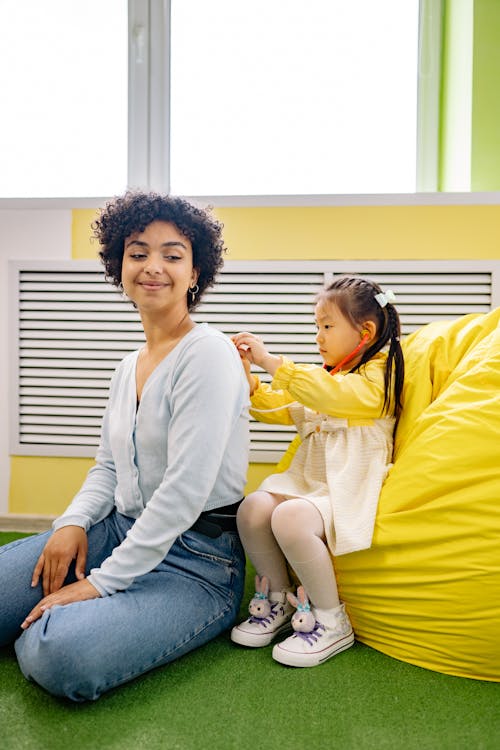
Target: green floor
225, 697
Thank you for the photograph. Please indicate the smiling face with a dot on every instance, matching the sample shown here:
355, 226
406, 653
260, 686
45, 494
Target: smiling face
157, 268
336, 336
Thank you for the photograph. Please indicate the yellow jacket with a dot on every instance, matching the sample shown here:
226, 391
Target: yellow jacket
357, 396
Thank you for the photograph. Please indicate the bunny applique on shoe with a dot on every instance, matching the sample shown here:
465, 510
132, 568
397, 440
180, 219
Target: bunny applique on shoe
319, 634
270, 615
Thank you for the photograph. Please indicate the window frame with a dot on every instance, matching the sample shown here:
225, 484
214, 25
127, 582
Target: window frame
149, 115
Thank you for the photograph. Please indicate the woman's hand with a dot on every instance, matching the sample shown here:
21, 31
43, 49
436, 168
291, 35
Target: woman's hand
254, 350
66, 544
74, 592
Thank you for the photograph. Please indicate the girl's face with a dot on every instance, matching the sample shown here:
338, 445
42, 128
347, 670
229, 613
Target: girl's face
336, 336
157, 268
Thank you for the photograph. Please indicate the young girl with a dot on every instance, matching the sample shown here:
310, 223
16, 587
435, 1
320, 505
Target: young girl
325, 503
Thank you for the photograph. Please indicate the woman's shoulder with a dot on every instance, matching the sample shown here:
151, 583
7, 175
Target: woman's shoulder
211, 354
127, 364
124, 372
205, 338
205, 331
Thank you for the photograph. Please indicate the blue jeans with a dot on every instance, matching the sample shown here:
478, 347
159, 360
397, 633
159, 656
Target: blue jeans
82, 649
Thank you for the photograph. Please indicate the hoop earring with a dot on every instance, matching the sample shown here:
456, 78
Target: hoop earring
123, 293
194, 291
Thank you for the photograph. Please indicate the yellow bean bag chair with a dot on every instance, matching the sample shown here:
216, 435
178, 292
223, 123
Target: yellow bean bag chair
428, 590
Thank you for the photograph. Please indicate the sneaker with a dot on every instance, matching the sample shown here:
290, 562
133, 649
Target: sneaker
331, 634
260, 631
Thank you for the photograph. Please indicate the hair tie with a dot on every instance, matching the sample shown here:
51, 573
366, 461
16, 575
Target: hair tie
384, 298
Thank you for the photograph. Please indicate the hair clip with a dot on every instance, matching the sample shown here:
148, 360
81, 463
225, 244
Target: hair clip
384, 298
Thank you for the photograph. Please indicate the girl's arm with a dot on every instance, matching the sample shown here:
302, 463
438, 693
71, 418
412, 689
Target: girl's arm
358, 395
265, 398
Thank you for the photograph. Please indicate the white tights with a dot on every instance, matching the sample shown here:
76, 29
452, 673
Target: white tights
274, 530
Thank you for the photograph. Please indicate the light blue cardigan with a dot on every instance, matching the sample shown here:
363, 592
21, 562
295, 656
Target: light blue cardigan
184, 450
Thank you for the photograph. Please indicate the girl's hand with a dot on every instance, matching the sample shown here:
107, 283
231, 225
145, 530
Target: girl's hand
74, 592
252, 381
66, 544
254, 350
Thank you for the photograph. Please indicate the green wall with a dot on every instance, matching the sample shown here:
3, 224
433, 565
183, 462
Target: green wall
485, 151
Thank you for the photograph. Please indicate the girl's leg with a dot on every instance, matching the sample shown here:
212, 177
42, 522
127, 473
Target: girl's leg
83, 649
298, 528
254, 526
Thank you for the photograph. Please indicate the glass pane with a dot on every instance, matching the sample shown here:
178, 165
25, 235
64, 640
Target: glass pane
293, 97
63, 82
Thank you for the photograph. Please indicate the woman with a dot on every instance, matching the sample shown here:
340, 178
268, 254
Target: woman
146, 560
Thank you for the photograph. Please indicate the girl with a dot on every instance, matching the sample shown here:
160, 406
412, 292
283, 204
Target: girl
325, 503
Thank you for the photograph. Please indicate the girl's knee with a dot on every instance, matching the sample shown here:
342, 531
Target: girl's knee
255, 510
294, 520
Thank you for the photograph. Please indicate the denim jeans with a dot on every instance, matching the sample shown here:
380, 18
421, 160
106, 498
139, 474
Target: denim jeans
82, 649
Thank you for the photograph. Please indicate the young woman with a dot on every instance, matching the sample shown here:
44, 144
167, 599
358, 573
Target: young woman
145, 564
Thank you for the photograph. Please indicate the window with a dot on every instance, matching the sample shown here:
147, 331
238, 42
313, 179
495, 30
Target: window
273, 97
63, 82
291, 97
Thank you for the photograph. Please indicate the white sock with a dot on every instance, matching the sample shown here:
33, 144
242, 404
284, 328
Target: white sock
298, 528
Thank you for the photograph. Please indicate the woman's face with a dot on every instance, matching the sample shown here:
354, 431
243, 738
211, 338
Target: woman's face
157, 268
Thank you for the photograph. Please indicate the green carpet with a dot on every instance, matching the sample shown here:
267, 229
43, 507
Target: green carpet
223, 697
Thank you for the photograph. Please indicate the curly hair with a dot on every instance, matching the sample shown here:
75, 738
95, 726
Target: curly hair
136, 210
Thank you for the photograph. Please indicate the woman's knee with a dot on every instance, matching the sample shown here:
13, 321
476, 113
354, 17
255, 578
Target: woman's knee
51, 655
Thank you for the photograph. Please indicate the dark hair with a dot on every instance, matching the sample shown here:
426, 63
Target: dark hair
355, 298
136, 210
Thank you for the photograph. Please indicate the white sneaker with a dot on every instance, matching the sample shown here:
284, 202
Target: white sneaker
332, 633
260, 631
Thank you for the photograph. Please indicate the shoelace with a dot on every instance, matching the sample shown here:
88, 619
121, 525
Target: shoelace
265, 620
313, 635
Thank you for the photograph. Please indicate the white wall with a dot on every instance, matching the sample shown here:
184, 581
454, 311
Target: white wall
24, 233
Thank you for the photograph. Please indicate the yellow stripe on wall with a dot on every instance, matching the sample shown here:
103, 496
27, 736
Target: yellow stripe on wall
45, 485
83, 246
462, 232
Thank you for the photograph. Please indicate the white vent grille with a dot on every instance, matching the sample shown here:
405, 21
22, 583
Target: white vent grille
71, 328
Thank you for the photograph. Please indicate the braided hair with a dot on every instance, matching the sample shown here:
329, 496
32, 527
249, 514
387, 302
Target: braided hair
355, 298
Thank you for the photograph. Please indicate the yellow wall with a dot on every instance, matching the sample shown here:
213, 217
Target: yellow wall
84, 246
360, 232
335, 232
45, 485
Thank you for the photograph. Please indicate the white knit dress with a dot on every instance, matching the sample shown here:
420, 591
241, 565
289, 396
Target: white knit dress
340, 470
